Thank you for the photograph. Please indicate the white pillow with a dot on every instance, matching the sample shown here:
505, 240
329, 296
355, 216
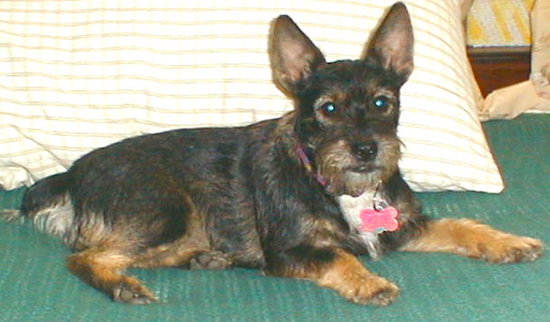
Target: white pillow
77, 75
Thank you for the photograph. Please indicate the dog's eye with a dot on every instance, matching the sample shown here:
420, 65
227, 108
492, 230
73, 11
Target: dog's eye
381, 102
329, 108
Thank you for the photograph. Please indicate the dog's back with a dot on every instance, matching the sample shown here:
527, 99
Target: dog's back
148, 191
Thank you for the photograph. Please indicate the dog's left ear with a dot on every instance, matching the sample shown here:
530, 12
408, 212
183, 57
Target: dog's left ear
293, 55
392, 44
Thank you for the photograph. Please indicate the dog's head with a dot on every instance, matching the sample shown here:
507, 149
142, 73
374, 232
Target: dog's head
346, 111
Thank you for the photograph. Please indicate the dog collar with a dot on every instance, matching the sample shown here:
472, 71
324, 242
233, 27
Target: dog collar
309, 165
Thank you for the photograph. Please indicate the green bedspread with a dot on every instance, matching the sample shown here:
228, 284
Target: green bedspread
36, 286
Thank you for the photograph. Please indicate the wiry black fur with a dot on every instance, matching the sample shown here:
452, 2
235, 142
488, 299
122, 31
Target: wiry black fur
250, 189
245, 187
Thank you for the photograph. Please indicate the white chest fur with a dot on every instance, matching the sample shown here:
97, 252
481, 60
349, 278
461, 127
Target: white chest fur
351, 209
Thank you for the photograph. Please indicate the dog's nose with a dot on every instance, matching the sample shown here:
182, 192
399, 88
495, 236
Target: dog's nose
365, 151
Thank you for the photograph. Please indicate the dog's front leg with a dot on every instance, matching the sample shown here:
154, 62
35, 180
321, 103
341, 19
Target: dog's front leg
470, 238
336, 269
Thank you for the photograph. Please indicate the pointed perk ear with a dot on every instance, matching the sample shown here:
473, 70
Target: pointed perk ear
392, 44
293, 55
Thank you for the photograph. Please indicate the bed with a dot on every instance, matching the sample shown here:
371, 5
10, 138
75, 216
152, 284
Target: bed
511, 195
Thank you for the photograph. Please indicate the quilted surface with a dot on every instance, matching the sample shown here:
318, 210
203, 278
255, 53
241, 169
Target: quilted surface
36, 286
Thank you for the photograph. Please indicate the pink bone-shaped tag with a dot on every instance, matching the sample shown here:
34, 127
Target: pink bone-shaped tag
378, 221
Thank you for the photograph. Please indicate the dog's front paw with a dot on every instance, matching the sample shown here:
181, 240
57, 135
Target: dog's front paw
132, 292
362, 287
353, 281
372, 290
512, 249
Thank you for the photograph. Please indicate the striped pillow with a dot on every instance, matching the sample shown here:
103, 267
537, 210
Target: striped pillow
77, 75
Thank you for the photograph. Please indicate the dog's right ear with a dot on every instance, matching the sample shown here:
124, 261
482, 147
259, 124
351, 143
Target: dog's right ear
392, 45
293, 55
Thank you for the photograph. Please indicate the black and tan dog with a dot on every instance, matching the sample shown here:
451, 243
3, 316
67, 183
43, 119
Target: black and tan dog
300, 196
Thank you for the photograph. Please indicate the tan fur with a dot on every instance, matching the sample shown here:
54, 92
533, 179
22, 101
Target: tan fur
107, 255
349, 277
335, 160
101, 267
176, 254
472, 239
352, 280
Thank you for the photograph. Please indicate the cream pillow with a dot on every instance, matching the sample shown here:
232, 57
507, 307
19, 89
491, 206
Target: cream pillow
77, 75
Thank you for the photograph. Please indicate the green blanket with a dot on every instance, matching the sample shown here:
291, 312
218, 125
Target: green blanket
36, 286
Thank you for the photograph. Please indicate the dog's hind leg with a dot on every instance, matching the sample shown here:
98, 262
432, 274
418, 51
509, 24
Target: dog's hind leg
470, 238
184, 257
102, 267
213, 260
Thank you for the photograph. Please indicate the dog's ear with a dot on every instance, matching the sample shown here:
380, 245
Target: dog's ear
392, 44
293, 55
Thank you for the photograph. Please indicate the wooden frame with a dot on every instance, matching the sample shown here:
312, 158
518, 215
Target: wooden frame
496, 67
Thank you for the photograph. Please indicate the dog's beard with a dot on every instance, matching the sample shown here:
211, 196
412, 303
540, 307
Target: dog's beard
345, 175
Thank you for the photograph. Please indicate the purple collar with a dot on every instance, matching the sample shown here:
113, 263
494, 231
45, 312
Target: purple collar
309, 165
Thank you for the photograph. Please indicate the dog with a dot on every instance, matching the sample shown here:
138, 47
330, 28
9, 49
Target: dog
300, 196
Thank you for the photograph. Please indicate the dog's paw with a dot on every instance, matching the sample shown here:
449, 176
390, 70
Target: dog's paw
128, 291
372, 290
210, 260
353, 281
512, 249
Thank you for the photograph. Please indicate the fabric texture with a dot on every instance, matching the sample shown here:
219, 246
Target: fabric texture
36, 285
76, 75
540, 51
532, 95
499, 23
510, 101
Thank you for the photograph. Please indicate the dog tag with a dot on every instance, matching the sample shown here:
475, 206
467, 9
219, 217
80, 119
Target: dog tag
379, 221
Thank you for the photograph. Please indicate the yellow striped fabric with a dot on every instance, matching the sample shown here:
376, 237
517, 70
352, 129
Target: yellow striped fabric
499, 23
76, 75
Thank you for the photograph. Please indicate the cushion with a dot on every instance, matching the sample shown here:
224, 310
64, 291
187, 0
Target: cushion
77, 75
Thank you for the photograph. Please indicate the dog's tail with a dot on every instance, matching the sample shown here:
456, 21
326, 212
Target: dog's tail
47, 203
46, 193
